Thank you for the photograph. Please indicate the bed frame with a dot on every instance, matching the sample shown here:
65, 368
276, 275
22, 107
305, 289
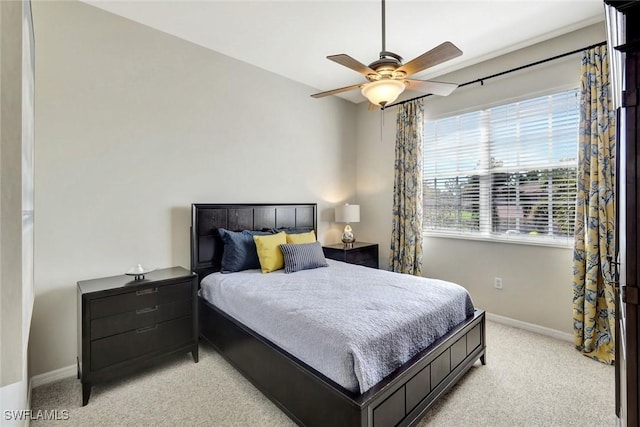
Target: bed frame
304, 394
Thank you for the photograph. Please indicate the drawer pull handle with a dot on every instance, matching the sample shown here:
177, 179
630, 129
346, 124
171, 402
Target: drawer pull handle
146, 329
147, 310
147, 291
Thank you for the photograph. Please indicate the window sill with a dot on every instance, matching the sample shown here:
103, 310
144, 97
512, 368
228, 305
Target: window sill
513, 239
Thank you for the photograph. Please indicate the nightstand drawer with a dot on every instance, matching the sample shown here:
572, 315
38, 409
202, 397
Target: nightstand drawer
362, 258
111, 325
359, 253
140, 299
119, 348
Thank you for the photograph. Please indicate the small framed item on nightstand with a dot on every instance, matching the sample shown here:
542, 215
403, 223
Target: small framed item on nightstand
360, 253
125, 324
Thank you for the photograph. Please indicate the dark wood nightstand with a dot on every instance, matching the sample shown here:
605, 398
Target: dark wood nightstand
125, 324
361, 253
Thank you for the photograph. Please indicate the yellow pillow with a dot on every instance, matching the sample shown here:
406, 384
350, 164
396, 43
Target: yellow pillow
269, 252
308, 237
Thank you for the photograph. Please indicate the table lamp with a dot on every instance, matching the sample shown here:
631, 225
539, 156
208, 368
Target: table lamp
348, 213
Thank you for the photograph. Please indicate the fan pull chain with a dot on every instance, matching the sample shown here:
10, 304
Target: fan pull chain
381, 124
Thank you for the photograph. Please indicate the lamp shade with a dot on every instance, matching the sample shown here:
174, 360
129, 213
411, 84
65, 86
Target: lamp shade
348, 213
382, 92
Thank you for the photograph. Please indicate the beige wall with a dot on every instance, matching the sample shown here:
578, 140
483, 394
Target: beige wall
537, 279
134, 125
15, 301
11, 363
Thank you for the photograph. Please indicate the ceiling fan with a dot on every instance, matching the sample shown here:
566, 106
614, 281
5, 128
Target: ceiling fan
387, 76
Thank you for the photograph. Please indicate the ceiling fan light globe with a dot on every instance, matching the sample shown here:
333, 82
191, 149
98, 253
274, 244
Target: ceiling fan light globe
383, 92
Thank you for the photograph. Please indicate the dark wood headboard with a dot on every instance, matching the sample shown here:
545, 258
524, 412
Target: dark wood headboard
206, 218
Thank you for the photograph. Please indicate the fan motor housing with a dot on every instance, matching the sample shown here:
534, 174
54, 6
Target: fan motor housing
385, 66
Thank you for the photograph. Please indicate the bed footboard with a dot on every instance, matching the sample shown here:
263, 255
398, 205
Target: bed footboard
311, 399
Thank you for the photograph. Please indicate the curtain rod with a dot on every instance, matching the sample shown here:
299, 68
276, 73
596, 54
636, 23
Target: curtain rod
482, 79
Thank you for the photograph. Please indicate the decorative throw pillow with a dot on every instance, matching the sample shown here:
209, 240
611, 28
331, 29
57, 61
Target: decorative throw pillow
269, 252
239, 250
302, 256
308, 237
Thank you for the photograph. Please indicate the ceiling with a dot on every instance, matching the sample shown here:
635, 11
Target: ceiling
292, 38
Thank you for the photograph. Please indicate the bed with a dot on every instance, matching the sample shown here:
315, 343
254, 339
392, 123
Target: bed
304, 393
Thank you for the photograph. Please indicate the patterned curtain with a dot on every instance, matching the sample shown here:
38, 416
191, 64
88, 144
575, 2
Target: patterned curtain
406, 235
593, 272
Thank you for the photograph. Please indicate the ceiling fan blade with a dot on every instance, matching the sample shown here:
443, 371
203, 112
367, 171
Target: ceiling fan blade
334, 91
435, 56
354, 64
429, 86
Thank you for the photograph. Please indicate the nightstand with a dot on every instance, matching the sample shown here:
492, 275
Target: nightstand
361, 253
126, 324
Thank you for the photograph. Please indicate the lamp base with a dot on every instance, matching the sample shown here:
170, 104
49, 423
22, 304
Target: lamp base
348, 238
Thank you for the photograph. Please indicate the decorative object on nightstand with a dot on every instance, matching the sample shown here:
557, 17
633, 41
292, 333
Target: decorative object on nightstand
125, 323
359, 253
348, 214
139, 271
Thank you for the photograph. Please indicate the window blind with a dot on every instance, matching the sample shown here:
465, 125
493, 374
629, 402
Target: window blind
507, 172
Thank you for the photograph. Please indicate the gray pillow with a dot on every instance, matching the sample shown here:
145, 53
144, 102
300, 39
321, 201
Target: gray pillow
302, 256
240, 251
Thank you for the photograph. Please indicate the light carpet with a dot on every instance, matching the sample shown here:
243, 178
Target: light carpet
529, 380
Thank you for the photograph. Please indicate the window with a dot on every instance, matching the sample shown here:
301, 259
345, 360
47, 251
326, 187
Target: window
507, 172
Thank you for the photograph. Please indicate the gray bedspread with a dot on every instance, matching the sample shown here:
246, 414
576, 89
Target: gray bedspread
353, 324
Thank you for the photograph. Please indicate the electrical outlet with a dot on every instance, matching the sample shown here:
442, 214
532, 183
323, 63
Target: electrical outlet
497, 282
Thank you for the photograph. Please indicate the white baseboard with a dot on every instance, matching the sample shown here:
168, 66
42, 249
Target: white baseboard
542, 330
55, 375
